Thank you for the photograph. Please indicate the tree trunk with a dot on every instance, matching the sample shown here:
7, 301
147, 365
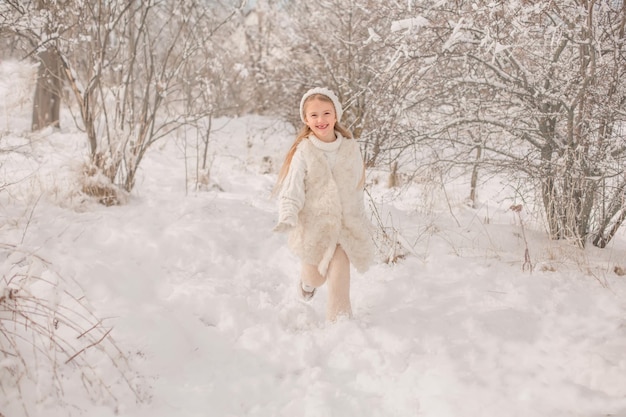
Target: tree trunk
474, 179
47, 102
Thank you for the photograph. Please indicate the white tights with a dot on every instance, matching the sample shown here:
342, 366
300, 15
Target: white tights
338, 279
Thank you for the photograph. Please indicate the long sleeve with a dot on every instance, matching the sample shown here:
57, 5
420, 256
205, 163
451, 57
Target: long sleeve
291, 196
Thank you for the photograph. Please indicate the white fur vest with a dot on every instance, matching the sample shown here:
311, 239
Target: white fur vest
333, 212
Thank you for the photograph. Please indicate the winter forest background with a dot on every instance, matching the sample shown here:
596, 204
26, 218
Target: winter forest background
531, 89
460, 107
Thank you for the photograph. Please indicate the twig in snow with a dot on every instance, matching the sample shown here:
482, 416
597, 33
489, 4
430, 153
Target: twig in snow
527, 261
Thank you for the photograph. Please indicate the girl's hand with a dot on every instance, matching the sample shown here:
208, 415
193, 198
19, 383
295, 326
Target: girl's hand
282, 227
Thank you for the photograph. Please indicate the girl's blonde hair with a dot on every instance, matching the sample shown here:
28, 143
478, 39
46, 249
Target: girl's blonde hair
305, 131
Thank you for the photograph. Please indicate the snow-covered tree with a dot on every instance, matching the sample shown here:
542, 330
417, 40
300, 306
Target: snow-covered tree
30, 26
539, 87
125, 62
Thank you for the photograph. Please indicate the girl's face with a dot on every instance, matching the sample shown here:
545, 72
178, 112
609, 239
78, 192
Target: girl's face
320, 117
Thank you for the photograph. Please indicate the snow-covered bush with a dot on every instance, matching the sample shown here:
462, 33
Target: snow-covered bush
53, 349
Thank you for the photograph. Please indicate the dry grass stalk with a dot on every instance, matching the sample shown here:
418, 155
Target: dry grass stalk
50, 339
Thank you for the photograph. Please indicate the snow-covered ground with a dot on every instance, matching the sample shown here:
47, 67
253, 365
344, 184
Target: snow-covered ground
201, 295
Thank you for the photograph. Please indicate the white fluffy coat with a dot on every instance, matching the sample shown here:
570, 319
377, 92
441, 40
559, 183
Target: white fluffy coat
330, 206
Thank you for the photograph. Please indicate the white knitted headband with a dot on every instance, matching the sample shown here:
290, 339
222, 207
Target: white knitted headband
326, 92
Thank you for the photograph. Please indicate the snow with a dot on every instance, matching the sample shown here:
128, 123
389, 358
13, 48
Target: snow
200, 294
409, 24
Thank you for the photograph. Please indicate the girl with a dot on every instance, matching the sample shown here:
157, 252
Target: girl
321, 202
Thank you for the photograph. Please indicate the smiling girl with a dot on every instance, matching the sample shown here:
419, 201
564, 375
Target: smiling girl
321, 205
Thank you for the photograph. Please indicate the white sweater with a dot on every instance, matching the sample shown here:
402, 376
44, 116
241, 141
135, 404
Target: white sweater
291, 197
